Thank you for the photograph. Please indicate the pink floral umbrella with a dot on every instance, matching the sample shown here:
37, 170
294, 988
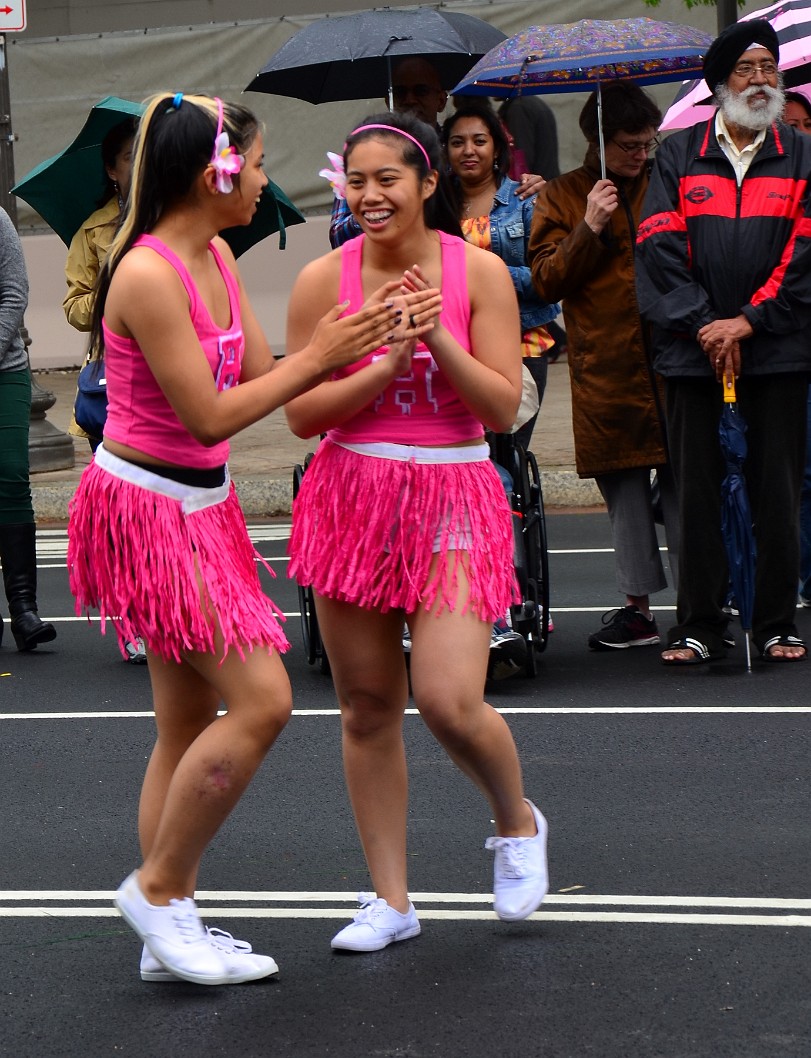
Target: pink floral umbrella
791, 20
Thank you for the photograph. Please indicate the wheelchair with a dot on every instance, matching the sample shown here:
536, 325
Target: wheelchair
313, 646
529, 617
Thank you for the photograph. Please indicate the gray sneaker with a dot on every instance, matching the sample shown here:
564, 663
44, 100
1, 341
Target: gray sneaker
508, 653
623, 628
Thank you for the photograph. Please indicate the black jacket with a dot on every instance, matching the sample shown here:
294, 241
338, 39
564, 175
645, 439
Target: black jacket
708, 249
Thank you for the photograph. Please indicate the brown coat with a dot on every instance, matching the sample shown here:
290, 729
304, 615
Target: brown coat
617, 408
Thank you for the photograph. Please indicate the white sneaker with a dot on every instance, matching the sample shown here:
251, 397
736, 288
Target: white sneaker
174, 934
520, 875
376, 926
240, 959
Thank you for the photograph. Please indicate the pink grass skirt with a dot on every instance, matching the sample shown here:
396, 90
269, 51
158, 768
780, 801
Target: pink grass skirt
367, 530
168, 562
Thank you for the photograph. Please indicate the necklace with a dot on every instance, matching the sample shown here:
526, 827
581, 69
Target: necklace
483, 198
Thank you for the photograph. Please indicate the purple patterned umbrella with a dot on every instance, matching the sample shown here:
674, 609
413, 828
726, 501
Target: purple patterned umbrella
579, 56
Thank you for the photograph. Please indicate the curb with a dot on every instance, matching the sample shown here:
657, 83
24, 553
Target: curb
273, 497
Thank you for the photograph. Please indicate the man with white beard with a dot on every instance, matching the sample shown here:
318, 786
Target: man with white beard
724, 279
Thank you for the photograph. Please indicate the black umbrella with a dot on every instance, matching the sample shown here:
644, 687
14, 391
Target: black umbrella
350, 57
736, 513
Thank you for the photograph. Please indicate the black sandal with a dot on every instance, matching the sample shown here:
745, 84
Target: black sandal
701, 653
782, 641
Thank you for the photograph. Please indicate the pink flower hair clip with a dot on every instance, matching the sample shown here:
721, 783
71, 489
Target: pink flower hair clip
224, 159
336, 176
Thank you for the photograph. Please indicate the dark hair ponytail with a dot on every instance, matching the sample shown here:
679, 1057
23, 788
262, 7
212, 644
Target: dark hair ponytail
173, 145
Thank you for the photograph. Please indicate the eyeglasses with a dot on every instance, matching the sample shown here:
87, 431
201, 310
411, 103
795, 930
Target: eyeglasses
636, 146
746, 69
419, 91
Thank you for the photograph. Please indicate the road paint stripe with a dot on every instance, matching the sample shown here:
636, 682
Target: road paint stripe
350, 897
610, 917
574, 710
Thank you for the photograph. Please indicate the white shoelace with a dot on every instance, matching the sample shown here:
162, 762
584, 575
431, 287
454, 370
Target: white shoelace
370, 906
187, 920
510, 855
227, 942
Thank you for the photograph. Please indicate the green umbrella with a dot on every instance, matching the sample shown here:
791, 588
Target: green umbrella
274, 213
68, 187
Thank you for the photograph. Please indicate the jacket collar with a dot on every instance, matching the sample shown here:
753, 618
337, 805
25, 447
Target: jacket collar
505, 189
591, 164
709, 145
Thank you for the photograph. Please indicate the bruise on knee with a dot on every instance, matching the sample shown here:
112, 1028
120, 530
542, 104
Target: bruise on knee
218, 779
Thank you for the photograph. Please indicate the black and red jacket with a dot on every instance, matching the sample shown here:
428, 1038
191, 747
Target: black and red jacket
708, 249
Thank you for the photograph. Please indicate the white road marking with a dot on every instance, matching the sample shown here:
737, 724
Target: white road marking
86, 906
710, 710
769, 903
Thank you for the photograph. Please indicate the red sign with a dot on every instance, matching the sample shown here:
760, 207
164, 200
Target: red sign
12, 16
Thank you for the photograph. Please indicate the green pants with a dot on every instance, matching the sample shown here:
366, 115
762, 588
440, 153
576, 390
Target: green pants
15, 415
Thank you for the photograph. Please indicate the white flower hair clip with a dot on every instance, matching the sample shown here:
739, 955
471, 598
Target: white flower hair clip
224, 159
336, 176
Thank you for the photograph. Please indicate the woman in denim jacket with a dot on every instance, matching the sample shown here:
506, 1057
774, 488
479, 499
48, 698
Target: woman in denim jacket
492, 217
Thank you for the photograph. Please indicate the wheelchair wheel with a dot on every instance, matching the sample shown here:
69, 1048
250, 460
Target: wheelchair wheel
530, 617
310, 634
537, 552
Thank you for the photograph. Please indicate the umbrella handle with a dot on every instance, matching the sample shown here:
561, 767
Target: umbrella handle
390, 89
600, 136
729, 389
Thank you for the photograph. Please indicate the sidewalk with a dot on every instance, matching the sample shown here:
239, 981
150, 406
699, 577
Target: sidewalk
263, 456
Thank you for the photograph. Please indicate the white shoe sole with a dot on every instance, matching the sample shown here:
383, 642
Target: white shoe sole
164, 977
650, 641
384, 942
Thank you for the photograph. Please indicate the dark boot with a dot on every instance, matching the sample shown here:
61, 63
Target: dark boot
18, 555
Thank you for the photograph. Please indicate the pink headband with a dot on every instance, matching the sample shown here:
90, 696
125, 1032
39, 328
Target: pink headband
391, 128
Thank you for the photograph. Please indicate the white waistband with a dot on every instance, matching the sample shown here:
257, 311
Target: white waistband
418, 453
191, 497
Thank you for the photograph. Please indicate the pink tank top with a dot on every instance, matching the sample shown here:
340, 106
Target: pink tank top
420, 408
138, 414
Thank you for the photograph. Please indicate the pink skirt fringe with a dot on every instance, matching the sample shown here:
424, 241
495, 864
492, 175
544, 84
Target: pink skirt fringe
138, 559
364, 532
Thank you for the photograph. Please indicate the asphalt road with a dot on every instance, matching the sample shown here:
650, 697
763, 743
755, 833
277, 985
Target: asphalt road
678, 919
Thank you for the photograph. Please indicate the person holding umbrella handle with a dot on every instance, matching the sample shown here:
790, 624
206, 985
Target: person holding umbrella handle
581, 252
88, 248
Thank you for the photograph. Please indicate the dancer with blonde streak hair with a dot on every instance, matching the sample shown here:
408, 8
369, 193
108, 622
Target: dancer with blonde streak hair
157, 538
